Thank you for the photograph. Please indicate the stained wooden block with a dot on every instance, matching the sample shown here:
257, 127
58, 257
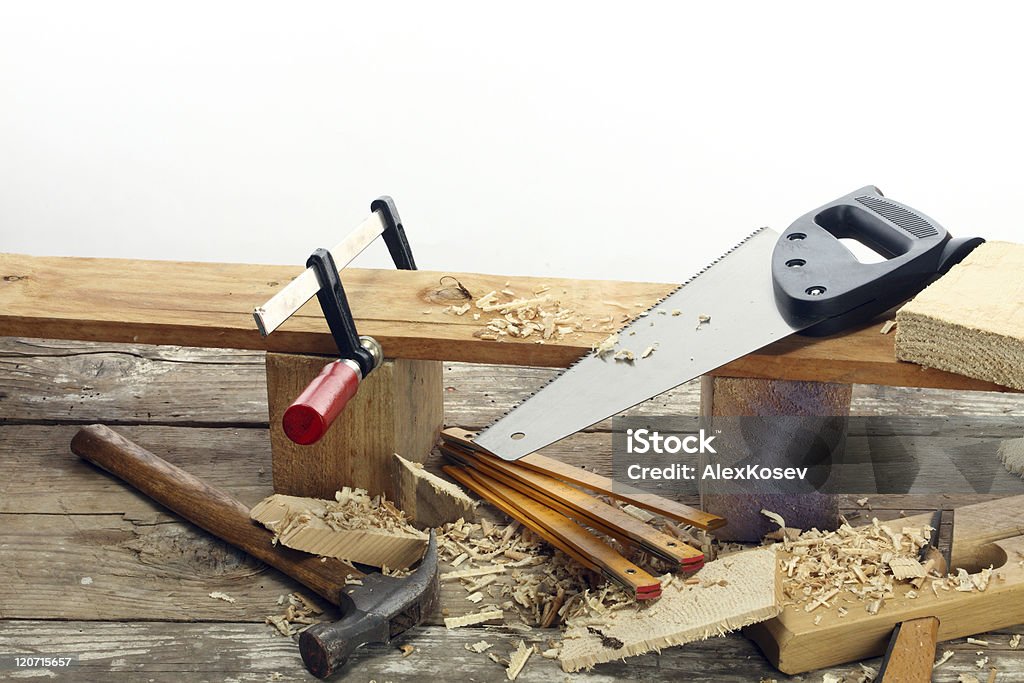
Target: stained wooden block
399, 409
732, 396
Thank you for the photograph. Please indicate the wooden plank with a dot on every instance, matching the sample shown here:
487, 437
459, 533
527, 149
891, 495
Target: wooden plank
44, 477
85, 382
165, 652
733, 592
398, 409
206, 304
971, 321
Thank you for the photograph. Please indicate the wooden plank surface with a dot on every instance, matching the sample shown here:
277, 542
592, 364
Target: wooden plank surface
62, 521
207, 304
164, 652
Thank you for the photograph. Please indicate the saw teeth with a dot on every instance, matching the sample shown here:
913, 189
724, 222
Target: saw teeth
657, 303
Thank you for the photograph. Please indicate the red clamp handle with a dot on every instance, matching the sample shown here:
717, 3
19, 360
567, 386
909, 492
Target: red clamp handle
311, 414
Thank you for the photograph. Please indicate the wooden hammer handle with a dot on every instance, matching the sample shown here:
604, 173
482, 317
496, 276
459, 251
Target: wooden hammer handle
207, 507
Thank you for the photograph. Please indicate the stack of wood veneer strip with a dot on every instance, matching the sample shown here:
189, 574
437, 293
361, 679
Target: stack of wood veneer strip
542, 495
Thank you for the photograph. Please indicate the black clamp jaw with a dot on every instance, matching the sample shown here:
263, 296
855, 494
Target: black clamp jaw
366, 352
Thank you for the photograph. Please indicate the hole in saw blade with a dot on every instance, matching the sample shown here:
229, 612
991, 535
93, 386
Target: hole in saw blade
518, 435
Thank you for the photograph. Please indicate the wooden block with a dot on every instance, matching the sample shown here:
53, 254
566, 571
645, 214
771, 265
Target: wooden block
970, 321
984, 535
299, 523
429, 500
731, 396
210, 305
727, 594
399, 409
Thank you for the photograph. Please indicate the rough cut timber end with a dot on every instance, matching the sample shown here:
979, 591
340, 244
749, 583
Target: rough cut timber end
429, 500
971, 321
732, 592
298, 523
1011, 452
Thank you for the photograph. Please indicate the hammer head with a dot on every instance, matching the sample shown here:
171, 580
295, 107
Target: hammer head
375, 612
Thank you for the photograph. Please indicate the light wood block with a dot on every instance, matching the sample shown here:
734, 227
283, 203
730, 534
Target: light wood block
731, 396
971, 321
399, 409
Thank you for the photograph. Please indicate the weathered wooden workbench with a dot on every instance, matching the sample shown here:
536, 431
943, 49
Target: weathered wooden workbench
94, 569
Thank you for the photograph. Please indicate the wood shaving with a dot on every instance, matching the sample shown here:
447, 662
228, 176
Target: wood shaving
978, 642
217, 595
703, 320
647, 352
471, 619
479, 646
475, 571
1014, 641
624, 355
980, 663
946, 656
607, 345
906, 568
300, 610
406, 650
775, 517
518, 660
888, 327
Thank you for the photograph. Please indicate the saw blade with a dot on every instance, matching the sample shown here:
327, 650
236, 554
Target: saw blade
722, 313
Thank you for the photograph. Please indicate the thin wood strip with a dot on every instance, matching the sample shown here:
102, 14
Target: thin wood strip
599, 484
590, 508
457, 455
611, 564
461, 474
210, 304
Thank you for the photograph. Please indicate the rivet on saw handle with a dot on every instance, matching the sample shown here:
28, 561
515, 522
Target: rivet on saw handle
309, 417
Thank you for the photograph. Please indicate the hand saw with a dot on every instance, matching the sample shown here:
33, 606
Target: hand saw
767, 287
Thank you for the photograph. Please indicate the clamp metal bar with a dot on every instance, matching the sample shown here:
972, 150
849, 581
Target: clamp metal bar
296, 293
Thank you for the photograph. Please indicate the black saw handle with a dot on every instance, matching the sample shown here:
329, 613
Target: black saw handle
821, 286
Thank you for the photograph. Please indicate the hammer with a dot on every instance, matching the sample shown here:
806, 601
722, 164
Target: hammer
382, 608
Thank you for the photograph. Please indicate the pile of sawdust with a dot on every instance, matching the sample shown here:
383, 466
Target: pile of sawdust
864, 563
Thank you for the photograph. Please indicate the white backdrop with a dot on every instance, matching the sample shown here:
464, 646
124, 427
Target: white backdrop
629, 140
